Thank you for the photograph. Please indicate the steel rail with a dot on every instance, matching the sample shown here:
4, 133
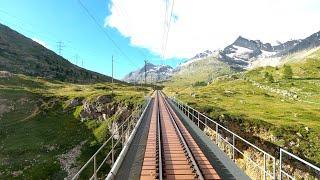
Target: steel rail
159, 141
190, 155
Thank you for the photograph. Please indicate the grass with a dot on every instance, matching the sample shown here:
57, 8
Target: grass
259, 111
37, 128
200, 71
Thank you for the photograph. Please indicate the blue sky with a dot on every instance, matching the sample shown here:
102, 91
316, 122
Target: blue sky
51, 21
138, 27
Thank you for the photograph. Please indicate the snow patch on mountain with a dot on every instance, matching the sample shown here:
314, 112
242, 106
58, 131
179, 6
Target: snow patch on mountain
154, 73
200, 56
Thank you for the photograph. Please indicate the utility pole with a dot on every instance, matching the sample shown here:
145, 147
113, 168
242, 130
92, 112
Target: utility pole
112, 74
112, 68
145, 72
60, 47
82, 63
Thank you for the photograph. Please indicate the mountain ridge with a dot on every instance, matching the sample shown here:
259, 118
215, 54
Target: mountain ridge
154, 73
21, 55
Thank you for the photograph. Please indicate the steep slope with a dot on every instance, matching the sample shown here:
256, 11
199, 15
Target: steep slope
154, 73
21, 55
199, 70
49, 129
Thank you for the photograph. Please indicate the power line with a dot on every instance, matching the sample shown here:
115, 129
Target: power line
105, 33
168, 29
165, 47
145, 72
165, 22
124, 15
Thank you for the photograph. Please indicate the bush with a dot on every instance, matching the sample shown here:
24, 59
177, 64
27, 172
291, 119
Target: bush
199, 83
287, 72
269, 77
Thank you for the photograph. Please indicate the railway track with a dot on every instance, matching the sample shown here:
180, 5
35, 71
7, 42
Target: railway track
171, 152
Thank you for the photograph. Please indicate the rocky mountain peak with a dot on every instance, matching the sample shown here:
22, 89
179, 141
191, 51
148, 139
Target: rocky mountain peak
154, 72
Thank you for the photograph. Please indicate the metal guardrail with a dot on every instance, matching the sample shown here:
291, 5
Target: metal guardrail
268, 169
204, 120
118, 136
283, 172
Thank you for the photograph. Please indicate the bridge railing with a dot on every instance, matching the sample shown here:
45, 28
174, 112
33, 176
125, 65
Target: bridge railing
227, 141
110, 148
284, 174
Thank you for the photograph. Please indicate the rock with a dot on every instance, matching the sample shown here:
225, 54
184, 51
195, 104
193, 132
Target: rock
88, 112
68, 160
17, 173
291, 143
307, 129
4, 74
75, 102
104, 116
228, 92
299, 134
104, 99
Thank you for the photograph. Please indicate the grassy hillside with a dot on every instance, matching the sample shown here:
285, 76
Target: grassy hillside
282, 111
38, 123
21, 55
199, 72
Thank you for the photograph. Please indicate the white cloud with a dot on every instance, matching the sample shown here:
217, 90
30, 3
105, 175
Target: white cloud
41, 42
212, 24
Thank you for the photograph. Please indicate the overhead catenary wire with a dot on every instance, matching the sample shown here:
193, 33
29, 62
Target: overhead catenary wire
167, 34
105, 33
167, 24
21, 24
164, 28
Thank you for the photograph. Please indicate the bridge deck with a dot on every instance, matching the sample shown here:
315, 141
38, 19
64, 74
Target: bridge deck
131, 167
132, 163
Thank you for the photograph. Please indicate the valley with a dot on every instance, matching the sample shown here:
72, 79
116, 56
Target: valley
55, 115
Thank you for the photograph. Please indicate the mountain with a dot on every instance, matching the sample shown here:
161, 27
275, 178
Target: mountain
154, 73
307, 43
197, 57
242, 53
199, 70
22, 55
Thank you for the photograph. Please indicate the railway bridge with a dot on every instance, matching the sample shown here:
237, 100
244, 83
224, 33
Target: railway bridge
166, 139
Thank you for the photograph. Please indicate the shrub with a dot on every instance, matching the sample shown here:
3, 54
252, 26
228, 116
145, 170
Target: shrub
287, 72
269, 77
199, 83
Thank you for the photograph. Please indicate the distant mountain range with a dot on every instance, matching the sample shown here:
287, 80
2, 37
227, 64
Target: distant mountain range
153, 73
22, 55
242, 54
